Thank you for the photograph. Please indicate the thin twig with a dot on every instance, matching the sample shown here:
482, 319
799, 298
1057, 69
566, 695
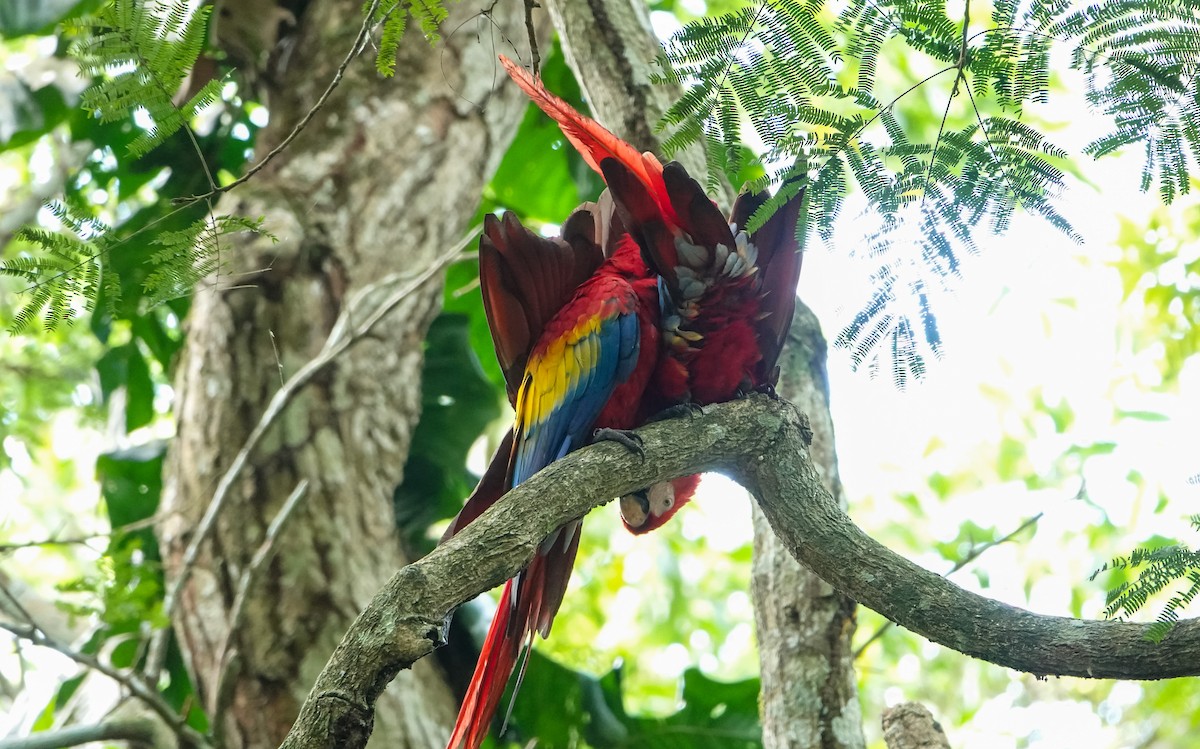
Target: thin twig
340, 338
971, 556
262, 557
533, 45
77, 540
360, 43
139, 731
69, 541
131, 681
959, 77
16, 604
987, 141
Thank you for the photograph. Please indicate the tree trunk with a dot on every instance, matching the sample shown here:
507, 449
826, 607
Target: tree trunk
809, 696
805, 627
384, 179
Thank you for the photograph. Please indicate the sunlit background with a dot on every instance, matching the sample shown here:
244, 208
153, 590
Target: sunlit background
1066, 390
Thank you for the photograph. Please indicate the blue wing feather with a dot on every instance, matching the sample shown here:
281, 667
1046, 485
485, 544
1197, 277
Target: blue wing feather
612, 353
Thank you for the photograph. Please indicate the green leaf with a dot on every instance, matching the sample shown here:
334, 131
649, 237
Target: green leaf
21, 17
125, 367
1142, 415
457, 402
26, 115
131, 481
555, 701
139, 390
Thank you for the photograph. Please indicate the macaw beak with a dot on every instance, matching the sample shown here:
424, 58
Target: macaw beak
641, 508
635, 509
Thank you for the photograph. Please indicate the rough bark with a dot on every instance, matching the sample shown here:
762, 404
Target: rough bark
910, 725
763, 444
805, 626
384, 179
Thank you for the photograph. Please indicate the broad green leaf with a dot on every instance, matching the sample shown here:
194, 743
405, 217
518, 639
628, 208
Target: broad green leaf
457, 403
558, 706
21, 17
25, 114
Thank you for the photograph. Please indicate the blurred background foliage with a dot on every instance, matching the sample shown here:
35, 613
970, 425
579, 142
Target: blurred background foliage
1068, 391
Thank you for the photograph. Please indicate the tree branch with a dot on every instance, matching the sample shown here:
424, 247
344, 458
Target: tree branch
187, 735
975, 552
762, 444
910, 725
138, 730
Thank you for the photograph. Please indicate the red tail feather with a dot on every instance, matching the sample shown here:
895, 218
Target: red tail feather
496, 661
591, 139
528, 605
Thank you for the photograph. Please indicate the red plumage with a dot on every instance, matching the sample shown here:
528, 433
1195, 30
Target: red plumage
538, 310
731, 296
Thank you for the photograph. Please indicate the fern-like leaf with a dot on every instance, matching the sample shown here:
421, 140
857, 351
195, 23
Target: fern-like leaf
392, 18
1142, 61
1157, 569
140, 53
186, 257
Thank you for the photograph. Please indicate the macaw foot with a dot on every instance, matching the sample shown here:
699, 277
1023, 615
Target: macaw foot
439, 636
626, 437
681, 409
767, 389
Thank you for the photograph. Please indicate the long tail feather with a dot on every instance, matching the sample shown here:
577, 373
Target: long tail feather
496, 661
593, 141
527, 605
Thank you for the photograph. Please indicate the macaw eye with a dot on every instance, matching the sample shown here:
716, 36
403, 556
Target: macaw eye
635, 509
661, 498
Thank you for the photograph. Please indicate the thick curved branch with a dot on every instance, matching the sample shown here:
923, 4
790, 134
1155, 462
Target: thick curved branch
763, 444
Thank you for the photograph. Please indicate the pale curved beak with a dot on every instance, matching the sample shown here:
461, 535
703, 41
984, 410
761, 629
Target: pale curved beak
635, 509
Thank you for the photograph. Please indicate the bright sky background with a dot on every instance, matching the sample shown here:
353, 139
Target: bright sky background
1033, 310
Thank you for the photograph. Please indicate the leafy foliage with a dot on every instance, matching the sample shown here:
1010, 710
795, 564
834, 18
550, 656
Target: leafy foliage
810, 90
392, 16
1157, 569
187, 256
1142, 62
66, 276
67, 270
457, 403
139, 53
557, 704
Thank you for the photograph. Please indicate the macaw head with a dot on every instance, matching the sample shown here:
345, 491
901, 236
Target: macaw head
646, 509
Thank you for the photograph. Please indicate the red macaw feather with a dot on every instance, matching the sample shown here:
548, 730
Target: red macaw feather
731, 296
526, 279
588, 367
592, 140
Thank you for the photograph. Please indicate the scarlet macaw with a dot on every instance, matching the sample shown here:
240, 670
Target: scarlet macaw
525, 279
576, 365
730, 296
